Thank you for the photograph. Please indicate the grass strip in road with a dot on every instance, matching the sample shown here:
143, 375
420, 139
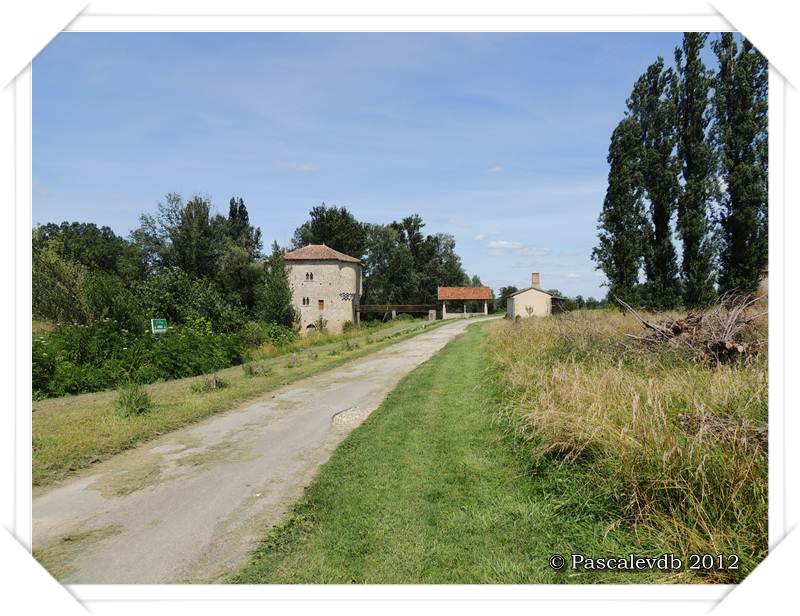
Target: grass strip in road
73, 432
434, 487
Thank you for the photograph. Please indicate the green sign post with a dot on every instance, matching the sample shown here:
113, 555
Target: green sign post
158, 326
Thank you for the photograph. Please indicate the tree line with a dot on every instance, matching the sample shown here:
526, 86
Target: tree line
208, 275
402, 265
688, 174
184, 261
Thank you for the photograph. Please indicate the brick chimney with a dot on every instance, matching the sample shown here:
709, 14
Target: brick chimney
535, 282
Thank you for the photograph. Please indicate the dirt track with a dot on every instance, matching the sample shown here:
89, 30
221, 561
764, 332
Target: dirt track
190, 505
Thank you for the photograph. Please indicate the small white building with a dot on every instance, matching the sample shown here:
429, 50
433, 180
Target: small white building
325, 284
533, 301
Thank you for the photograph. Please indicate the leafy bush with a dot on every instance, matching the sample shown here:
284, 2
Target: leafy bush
83, 358
348, 327
133, 400
171, 294
44, 366
255, 334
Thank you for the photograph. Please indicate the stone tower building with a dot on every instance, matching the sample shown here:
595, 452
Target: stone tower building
325, 283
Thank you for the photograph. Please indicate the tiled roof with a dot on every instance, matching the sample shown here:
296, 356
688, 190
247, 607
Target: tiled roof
464, 293
319, 252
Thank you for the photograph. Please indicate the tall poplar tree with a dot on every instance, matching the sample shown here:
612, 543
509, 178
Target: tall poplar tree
696, 163
652, 105
619, 251
740, 107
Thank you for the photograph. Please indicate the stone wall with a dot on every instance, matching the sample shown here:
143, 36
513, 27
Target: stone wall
335, 283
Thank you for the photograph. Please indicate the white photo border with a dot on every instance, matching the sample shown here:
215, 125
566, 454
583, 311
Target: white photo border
89, 22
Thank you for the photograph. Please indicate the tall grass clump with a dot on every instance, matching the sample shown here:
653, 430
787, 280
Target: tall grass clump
674, 440
133, 400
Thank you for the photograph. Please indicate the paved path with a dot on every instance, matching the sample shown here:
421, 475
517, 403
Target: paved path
190, 506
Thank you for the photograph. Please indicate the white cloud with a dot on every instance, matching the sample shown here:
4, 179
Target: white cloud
573, 275
505, 248
305, 166
496, 169
502, 245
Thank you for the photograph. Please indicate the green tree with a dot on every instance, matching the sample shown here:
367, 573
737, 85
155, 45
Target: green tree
197, 240
696, 162
335, 227
170, 293
619, 250
239, 276
183, 235
740, 131
275, 303
502, 300
652, 105
98, 248
438, 266
59, 288
389, 276
241, 232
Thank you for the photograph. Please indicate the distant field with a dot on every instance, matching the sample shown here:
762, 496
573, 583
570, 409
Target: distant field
521, 440
72, 432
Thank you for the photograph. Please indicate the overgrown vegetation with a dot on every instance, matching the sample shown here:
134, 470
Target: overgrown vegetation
676, 443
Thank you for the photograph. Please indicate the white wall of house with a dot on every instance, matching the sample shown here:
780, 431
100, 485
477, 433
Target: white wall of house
530, 302
325, 288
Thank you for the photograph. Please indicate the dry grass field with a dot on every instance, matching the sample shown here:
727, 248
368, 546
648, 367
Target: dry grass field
677, 442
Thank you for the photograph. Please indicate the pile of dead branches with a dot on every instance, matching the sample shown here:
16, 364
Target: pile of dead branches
705, 424
720, 334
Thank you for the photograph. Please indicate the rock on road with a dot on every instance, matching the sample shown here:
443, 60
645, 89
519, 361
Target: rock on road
189, 506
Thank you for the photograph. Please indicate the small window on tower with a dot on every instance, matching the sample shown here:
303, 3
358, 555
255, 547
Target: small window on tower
322, 304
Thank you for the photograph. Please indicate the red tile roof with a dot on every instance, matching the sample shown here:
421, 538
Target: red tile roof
318, 252
464, 293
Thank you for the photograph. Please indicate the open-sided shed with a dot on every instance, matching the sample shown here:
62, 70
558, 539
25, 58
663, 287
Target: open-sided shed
463, 295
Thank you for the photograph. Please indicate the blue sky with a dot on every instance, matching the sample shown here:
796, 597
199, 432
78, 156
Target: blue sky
499, 139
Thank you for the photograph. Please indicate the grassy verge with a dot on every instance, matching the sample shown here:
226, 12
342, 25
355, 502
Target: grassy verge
436, 487
73, 432
669, 438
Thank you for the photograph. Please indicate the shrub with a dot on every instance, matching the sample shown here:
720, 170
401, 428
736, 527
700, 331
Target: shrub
253, 370
172, 294
255, 334
132, 400
44, 366
209, 383
102, 355
348, 327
